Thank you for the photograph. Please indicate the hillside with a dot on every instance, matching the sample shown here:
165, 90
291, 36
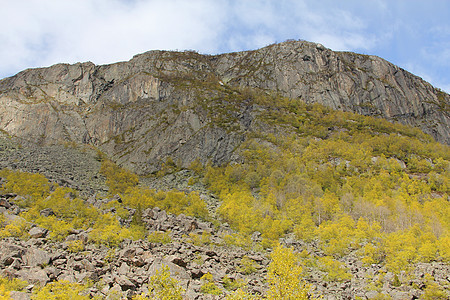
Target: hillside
282, 172
186, 105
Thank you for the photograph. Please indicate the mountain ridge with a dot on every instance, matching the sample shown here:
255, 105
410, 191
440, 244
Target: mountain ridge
167, 103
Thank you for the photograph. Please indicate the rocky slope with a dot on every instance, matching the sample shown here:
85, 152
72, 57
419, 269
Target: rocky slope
124, 271
185, 105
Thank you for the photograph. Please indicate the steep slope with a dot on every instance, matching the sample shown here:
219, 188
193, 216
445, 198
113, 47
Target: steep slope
185, 105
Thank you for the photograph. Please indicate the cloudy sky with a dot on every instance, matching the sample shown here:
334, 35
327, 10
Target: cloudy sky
414, 34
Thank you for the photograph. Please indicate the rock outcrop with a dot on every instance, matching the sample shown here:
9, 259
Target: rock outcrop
179, 104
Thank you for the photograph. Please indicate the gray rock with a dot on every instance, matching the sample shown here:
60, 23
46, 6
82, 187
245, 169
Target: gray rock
4, 203
38, 232
34, 275
15, 295
46, 212
158, 118
36, 257
124, 282
67, 276
176, 271
177, 260
124, 269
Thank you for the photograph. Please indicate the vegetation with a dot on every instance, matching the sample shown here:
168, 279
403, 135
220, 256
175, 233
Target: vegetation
70, 212
283, 276
351, 182
60, 290
11, 285
208, 286
162, 287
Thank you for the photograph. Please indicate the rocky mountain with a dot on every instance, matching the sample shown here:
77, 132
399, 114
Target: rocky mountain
185, 105
291, 167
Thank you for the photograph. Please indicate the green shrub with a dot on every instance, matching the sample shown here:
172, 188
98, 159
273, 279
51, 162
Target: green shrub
162, 286
60, 290
208, 286
162, 237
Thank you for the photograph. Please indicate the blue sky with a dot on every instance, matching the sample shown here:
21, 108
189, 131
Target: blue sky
412, 34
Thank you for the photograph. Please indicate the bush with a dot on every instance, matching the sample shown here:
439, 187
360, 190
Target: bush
14, 284
60, 290
160, 237
208, 286
75, 246
335, 270
17, 228
283, 276
247, 266
162, 286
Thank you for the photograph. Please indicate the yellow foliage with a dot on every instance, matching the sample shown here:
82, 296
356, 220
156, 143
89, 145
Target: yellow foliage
108, 231
208, 285
14, 284
159, 237
371, 254
75, 246
59, 229
433, 291
247, 266
443, 245
306, 229
241, 294
238, 239
163, 287
33, 186
196, 166
335, 270
199, 239
283, 276
60, 290
64, 205
17, 228
195, 207
175, 202
118, 179
4, 294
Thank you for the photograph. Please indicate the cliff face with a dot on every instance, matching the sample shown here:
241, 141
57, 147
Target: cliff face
181, 104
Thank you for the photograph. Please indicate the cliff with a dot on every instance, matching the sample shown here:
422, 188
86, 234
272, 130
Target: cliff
185, 105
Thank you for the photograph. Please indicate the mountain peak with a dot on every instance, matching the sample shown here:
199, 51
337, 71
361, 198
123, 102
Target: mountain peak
168, 103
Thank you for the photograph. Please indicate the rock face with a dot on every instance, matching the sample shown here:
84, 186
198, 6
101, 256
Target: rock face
179, 104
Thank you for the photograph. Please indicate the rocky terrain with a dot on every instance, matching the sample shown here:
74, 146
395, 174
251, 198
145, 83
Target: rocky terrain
185, 105
63, 164
124, 271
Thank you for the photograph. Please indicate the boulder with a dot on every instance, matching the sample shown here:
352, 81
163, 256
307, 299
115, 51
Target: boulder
34, 275
177, 260
38, 232
46, 212
15, 295
176, 271
4, 203
124, 283
34, 257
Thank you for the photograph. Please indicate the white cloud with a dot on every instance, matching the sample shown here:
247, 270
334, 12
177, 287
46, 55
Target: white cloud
44, 32
49, 31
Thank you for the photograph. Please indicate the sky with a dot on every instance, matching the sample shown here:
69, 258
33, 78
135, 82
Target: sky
412, 34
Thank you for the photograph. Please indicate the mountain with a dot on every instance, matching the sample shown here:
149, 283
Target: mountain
186, 105
288, 172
